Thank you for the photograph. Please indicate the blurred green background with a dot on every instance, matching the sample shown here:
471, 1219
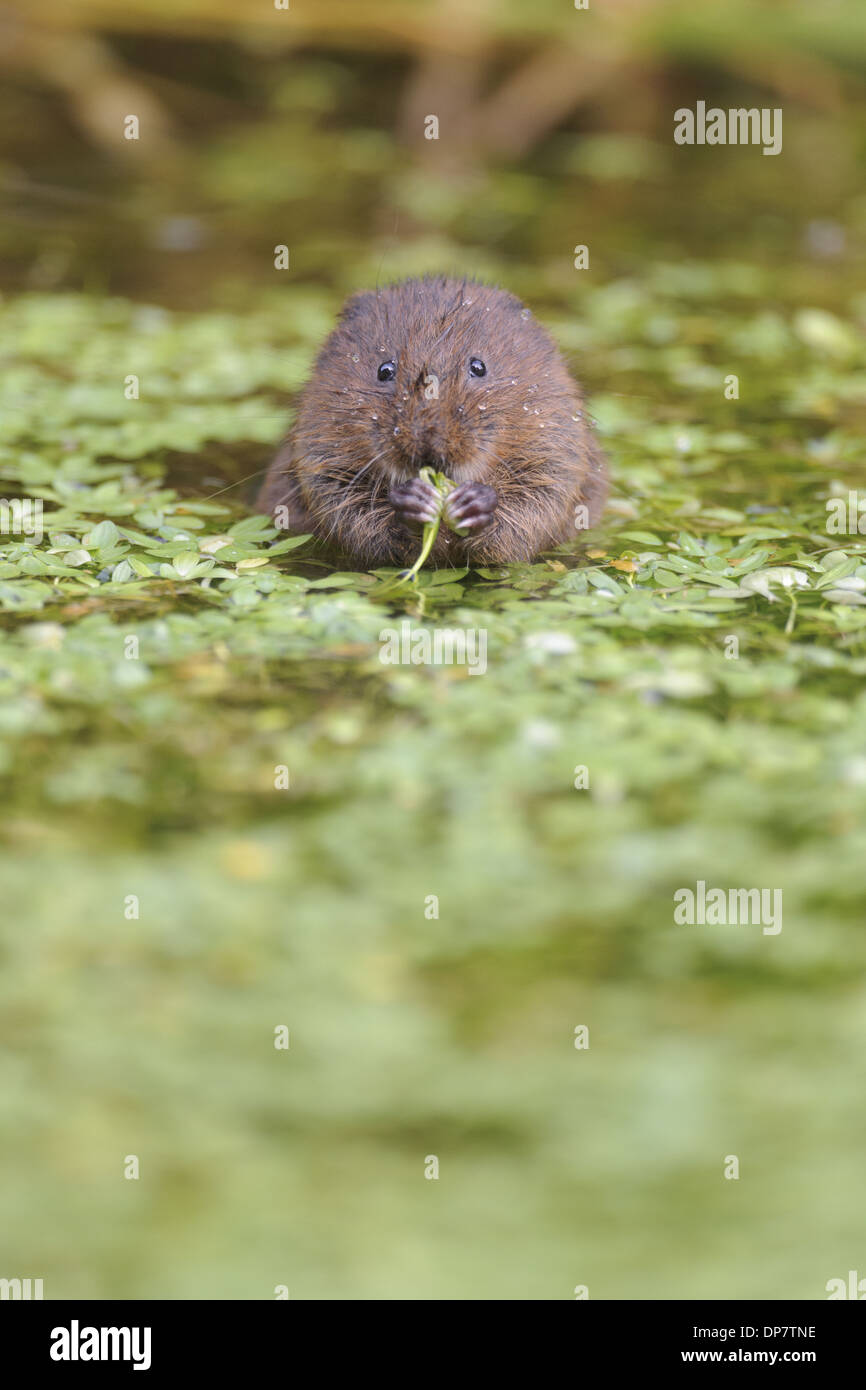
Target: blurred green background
305, 907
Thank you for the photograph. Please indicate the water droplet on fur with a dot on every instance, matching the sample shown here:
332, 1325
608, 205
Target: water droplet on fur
482, 407
396, 429
525, 314
374, 417
355, 357
578, 416
466, 303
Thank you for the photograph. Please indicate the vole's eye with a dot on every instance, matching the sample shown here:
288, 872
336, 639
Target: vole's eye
387, 371
477, 367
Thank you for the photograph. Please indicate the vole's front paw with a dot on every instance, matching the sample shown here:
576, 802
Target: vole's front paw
414, 503
470, 506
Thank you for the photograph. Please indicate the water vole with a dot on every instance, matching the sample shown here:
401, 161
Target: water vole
457, 376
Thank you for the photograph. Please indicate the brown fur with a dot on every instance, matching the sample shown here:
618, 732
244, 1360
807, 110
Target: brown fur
521, 428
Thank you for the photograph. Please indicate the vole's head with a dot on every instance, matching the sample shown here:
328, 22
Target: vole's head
429, 372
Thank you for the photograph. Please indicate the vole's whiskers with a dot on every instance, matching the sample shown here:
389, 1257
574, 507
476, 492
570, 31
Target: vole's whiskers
228, 487
374, 459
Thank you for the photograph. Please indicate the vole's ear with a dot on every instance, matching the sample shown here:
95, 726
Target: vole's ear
357, 304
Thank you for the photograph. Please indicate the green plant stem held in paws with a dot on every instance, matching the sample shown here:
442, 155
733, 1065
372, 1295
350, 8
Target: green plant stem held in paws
443, 486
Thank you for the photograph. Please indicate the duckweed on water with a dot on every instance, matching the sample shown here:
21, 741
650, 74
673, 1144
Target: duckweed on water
165, 654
